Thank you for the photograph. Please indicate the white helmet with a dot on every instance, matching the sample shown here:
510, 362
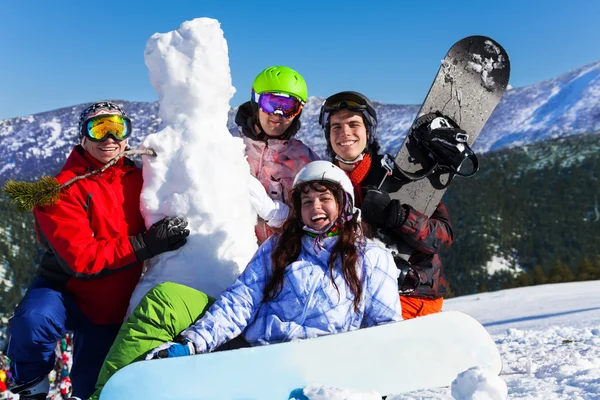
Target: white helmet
326, 171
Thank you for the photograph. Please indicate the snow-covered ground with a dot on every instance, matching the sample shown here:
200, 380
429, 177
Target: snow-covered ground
548, 336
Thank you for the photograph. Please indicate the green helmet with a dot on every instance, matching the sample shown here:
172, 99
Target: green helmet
281, 79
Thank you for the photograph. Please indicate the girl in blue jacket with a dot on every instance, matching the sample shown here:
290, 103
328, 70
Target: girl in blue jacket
319, 276
298, 285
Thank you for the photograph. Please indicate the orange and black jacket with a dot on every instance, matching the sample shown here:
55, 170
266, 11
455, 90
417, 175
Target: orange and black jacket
426, 236
86, 236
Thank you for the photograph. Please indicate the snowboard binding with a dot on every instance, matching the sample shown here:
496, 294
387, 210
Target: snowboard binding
446, 144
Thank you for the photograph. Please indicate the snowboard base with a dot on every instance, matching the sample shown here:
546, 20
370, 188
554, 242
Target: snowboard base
468, 86
421, 353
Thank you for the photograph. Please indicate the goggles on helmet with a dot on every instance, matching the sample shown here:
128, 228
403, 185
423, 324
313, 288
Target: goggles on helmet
348, 101
278, 103
99, 128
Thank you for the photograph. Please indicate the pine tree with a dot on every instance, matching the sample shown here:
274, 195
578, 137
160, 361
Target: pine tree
523, 279
588, 270
560, 272
538, 275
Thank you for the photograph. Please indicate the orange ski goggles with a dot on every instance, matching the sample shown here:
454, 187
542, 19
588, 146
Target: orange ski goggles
99, 128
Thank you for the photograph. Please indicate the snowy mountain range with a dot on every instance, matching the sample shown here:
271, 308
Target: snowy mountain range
37, 145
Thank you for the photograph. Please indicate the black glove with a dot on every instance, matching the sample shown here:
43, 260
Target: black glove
408, 278
168, 234
378, 209
396, 214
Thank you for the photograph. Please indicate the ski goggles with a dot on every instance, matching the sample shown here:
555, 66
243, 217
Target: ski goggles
346, 101
99, 128
278, 103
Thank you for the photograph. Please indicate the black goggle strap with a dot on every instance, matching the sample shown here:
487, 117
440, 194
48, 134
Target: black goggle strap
350, 105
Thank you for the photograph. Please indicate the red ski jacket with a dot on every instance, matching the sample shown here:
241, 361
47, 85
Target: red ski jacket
86, 235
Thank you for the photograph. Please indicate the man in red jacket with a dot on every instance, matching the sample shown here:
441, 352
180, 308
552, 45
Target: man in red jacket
349, 121
96, 242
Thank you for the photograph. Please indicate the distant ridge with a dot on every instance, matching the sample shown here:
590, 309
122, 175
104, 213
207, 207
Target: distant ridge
566, 105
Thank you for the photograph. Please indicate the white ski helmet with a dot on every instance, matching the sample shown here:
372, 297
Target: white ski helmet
326, 171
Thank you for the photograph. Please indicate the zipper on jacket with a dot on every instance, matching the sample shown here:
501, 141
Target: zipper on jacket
262, 226
261, 160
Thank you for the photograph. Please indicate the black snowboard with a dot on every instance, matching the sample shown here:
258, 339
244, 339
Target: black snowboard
468, 86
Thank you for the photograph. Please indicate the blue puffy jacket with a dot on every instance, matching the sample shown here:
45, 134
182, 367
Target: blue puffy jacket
309, 304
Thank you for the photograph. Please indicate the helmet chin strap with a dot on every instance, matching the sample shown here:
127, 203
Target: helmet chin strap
360, 156
262, 135
319, 232
350, 162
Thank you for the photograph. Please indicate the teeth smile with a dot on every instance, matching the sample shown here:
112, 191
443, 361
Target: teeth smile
347, 143
316, 217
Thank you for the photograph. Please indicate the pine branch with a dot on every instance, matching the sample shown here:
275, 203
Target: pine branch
46, 191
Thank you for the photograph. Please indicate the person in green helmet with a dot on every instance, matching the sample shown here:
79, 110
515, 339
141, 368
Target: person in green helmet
267, 124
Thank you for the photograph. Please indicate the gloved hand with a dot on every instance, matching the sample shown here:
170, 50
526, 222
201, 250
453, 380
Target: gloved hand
408, 277
378, 209
181, 346
396, 214
168, 234
408, 280
274, 212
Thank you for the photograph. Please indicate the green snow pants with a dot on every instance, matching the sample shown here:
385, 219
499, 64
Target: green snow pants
162, 314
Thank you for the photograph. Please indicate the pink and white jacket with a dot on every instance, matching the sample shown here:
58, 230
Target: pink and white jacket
274, 162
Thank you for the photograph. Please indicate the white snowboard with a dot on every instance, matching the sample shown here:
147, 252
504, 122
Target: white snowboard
421, 353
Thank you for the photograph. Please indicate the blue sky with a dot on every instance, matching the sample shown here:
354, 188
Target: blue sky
61, 53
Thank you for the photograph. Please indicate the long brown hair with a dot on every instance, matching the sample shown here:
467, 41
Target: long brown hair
289, 243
